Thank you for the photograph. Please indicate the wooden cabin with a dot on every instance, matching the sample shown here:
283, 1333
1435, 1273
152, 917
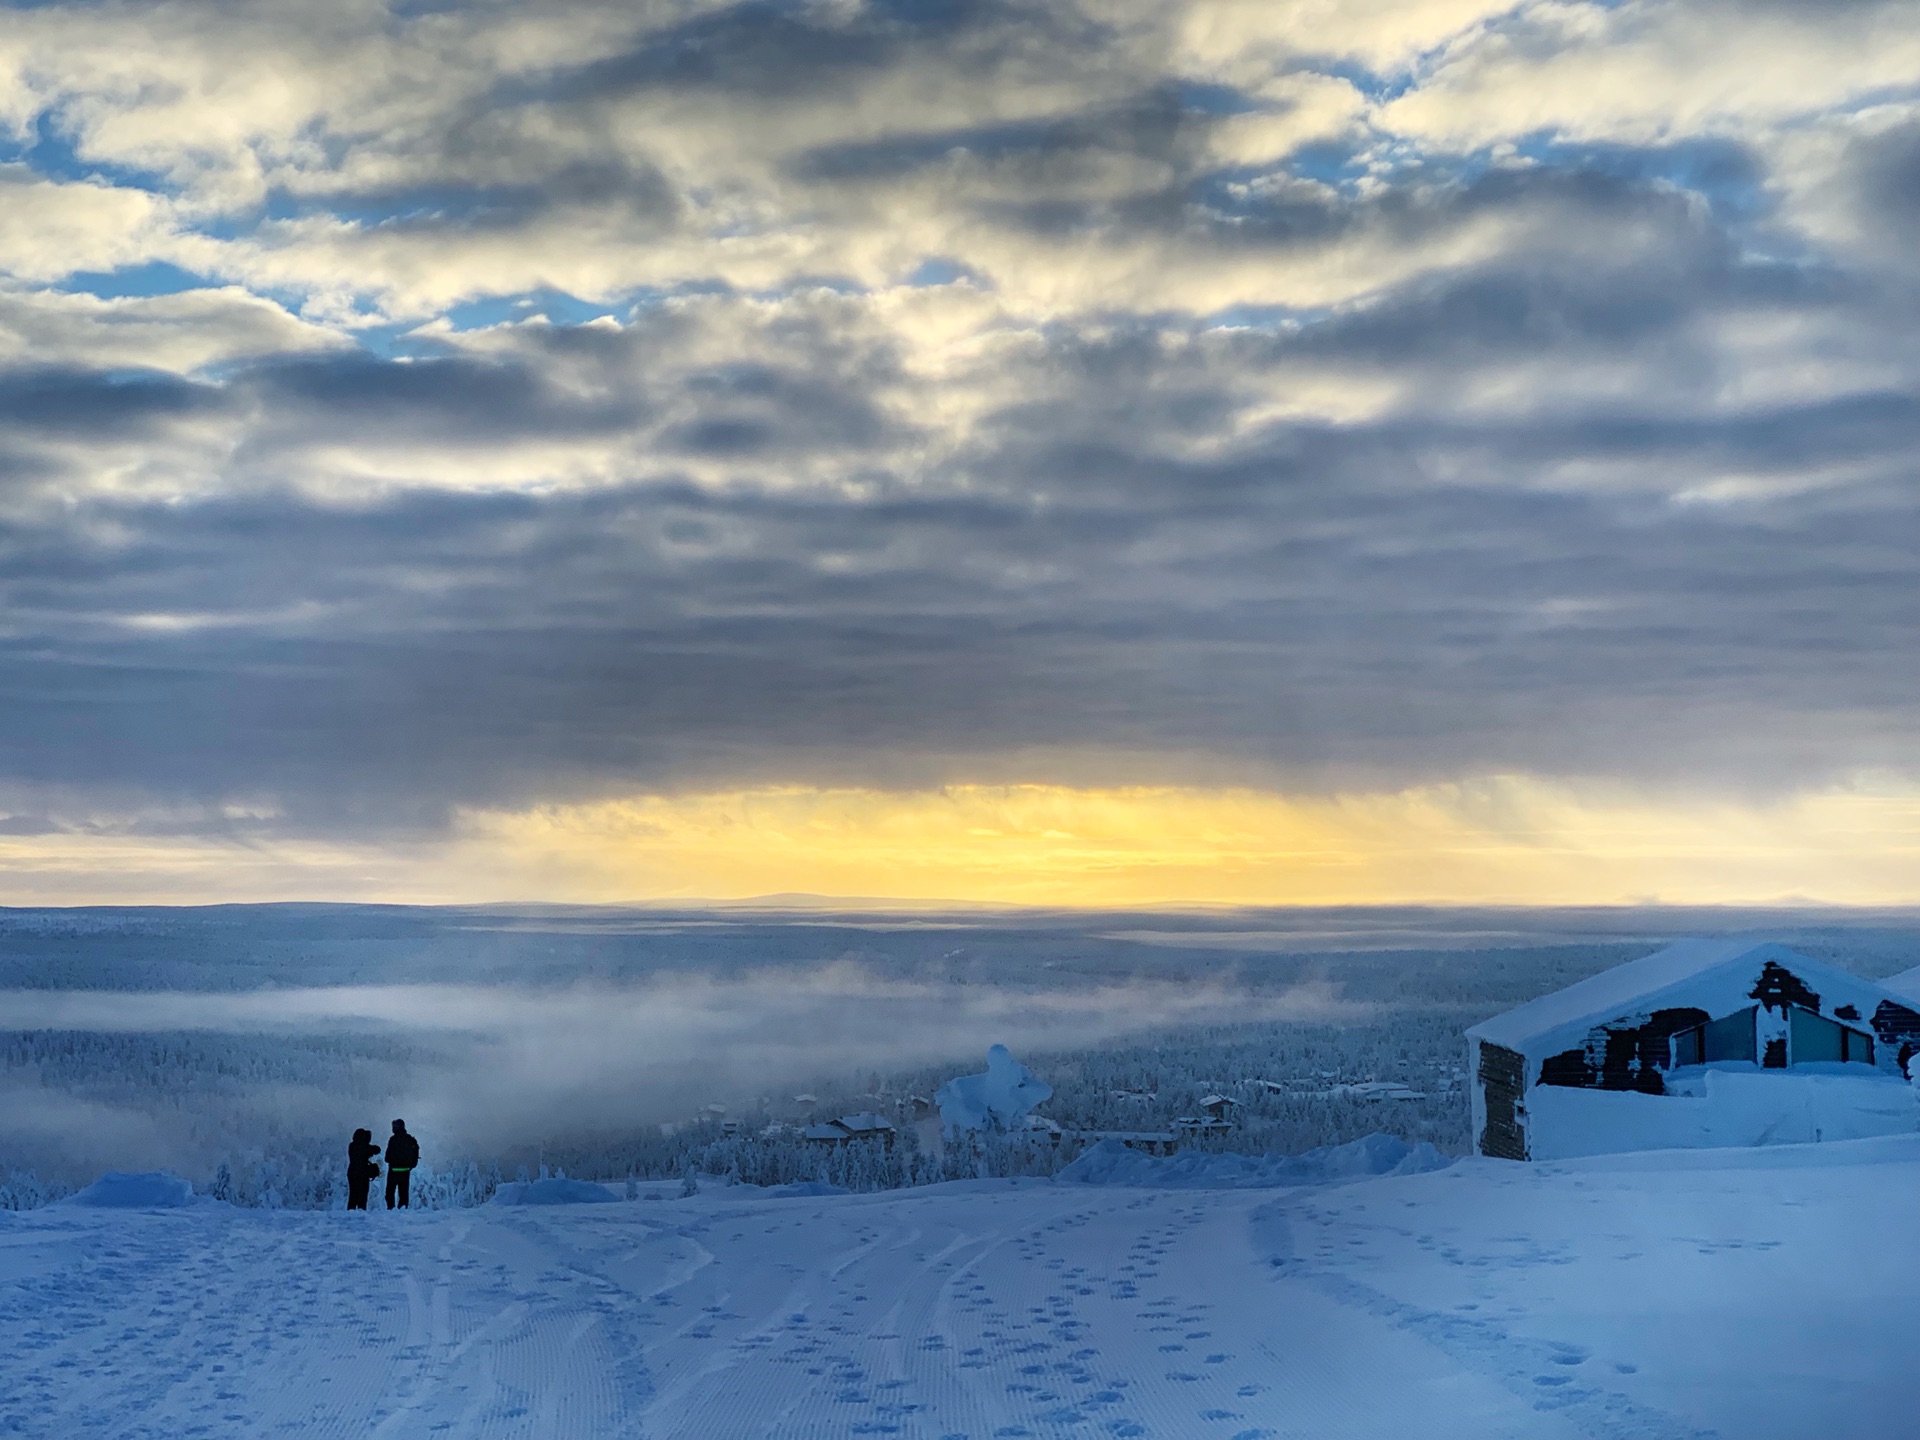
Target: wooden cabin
1707, 1042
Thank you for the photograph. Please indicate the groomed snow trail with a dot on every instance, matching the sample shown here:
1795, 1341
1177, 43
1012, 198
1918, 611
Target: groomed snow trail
1635, 1299
1037, 1310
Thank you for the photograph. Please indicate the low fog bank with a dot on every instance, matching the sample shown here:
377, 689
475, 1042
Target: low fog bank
261, 1036
181, 1080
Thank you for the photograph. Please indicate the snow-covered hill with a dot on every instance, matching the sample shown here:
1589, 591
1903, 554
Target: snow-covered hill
1746, 1293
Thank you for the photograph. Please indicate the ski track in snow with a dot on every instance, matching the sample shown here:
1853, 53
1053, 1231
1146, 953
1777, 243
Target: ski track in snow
1486, 1301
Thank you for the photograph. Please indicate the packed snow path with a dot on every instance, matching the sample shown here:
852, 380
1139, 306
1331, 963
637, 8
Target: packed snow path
1757, 1294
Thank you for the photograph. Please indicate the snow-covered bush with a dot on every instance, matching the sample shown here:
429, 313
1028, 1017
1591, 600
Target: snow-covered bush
23, 1190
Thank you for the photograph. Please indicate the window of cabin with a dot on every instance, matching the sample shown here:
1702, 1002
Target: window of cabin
1690, 1046
1814, 1039
1730, 1038
1856, 1048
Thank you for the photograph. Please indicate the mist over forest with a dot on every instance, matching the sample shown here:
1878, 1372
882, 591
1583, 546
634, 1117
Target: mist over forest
241, 1045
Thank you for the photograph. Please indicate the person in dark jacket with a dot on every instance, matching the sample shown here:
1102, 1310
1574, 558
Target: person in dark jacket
403, 1153
361, 1171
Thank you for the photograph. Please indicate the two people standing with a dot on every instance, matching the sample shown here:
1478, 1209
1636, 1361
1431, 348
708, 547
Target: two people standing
403, 1154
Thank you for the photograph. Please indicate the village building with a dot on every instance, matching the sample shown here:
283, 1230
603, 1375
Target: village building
1042, 1128
1199, 1127
848, 1128
1216, 1117
1375, 1091
1704, 1043
867, 1126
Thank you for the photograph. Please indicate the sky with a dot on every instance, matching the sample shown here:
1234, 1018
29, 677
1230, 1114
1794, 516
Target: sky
1046, 453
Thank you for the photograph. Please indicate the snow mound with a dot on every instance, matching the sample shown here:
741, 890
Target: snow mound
1112, 1163
150, 1190
807, 1189
1724, 1105
998, 1099
552, 1192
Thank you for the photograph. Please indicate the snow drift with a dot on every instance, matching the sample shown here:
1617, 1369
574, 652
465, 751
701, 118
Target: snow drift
150, 1190
1723, 1106
1112, 1163
555, 1191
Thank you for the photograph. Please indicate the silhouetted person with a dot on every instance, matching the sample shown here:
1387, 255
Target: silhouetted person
403, 1153
361, 1170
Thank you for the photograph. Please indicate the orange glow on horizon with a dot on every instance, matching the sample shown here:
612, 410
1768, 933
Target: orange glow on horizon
1504, 840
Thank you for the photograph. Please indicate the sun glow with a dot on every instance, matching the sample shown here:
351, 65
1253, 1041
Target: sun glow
1497, 840
1501, 840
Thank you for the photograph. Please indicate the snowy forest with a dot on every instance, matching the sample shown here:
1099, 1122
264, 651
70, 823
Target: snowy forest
239, 1046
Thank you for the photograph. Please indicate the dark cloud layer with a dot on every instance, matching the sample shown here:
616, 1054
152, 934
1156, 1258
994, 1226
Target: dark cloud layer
1366, 457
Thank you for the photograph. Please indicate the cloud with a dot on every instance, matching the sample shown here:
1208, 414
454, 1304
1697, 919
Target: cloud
50, 229
415, 414
192, 331
1647, 73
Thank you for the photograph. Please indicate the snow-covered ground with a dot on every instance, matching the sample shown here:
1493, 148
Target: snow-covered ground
1748, 1293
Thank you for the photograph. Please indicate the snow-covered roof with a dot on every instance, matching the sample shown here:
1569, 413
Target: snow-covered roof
1905, 985
1642, 984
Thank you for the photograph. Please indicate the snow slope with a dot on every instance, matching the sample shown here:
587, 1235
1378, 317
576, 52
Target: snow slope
1751, 1293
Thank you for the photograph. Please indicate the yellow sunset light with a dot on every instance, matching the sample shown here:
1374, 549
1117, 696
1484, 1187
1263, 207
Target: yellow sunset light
1504, 840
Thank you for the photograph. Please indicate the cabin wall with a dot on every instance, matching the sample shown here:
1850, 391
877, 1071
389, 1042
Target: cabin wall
1501, 1079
